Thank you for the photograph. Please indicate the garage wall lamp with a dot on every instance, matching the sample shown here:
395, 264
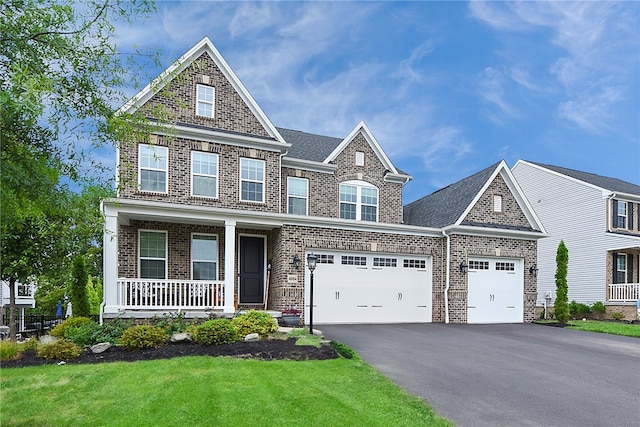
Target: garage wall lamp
464, 267
296, 262
533, 270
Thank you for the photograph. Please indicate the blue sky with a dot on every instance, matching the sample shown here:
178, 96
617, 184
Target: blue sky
447, 88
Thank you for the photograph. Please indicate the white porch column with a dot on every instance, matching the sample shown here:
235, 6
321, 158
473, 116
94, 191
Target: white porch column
110, 261
229, 258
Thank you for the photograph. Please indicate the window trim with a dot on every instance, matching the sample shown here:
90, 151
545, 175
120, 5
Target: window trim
166, 253
263, 182
619, 215
165, 170
217, 255
212, 103
621, 255
216, 176
359, 185
306, 196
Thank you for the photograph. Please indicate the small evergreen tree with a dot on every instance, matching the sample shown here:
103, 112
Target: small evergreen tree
79, 297
561, 305
94, 292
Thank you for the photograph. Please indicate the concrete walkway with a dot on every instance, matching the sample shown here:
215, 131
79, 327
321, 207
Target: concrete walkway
507, 375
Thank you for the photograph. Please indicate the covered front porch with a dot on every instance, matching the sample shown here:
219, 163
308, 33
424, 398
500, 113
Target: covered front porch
623, 273
162, 258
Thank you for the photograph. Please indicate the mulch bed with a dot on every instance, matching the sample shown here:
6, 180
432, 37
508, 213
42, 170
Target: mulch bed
264, 350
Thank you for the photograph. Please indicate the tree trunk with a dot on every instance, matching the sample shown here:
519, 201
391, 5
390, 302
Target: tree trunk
12, 309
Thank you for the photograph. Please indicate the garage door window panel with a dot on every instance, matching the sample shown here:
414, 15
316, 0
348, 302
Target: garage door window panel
354, 260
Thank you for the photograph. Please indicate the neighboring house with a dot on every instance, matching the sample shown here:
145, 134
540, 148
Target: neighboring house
220, 210
597, 217
25, 298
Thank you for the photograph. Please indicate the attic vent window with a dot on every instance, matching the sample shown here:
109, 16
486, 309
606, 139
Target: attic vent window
359, 158
204, 101
497, 203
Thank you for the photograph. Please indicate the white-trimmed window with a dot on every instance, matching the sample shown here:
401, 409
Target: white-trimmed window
621, 268
251, 180
152, 254
204, 101
152, 168
621, 214
204, 257
297, 195
204, 174
358, 200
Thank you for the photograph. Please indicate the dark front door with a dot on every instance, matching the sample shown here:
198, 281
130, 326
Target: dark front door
251, 270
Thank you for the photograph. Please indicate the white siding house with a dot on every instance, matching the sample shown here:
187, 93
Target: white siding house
577, 207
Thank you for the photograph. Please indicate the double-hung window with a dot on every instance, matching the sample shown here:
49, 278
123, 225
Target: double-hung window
621, 214
152, 254
204, 257
297, 195
204, 174
152, 168
204, 101
358, 200
251, 180
621, 268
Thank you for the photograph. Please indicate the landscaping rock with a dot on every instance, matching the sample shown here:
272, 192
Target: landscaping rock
47, 339
181, 337
252, 337
100, 347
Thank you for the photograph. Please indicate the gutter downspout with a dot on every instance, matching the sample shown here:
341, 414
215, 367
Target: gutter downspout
447, 280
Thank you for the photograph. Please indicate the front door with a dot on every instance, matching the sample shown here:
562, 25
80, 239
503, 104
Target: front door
251, 270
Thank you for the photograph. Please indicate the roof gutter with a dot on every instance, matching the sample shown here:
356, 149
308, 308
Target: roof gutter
448, 275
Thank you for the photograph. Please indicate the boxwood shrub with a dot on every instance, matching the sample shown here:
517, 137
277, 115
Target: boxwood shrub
255, 322
215, 332
59, 350
140, 337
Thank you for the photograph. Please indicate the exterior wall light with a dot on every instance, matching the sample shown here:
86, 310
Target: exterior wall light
533, 270
464, 267
296, 262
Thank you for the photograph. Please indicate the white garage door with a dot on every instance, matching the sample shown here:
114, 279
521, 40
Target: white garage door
496, 290
357, 287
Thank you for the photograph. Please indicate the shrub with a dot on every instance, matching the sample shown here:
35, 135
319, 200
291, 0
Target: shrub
31, 344
112, 331
255, 322
10, 351
617, 315
343, 350
143, 336
215, 332
561, 306
599, 307
578, 310
83, 335
60, 331
59, 350
171, 323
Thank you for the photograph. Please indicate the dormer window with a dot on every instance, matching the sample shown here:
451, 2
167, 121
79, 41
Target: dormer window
359, 201
204, 101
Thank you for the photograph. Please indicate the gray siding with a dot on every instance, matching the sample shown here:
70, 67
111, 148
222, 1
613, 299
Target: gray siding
576, 213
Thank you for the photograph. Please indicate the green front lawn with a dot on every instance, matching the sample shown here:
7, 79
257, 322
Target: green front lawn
614, 328
199, 391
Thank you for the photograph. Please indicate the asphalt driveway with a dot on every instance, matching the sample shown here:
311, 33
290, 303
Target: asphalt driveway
507, 375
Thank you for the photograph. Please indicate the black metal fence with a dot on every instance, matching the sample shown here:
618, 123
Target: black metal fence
35, 325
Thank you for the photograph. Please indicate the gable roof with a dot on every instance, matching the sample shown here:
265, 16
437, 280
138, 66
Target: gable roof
613, 185
450, 205
203, 46
308, 146
445, 206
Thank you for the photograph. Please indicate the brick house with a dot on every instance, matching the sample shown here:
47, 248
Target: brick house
219, 209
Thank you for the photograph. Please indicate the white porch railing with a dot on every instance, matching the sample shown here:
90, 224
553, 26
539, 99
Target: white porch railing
623, 292
170, 294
